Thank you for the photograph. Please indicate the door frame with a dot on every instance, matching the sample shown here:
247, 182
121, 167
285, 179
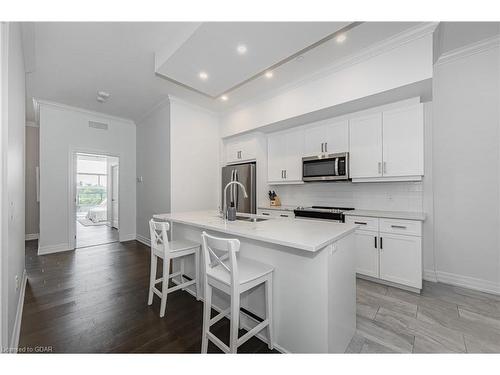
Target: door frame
117, 166
72, 170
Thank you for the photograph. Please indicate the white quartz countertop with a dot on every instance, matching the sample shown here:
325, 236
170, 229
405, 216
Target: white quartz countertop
278, 208
388, 214
307, 235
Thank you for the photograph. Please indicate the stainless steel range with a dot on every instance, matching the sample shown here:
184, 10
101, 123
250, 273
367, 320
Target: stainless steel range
335, 214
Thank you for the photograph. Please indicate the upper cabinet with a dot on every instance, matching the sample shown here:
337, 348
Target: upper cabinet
388, 146
329, 138
241, 149
284, 156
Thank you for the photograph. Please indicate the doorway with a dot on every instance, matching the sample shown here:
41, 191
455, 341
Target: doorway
96, 199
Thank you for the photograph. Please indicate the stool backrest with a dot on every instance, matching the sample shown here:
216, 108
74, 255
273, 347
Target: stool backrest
217, 250
158, 233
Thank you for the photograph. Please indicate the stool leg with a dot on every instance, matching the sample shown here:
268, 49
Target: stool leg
152, 277
269, 311
164, 285
181, 269
197, 272
235, 319
207, 307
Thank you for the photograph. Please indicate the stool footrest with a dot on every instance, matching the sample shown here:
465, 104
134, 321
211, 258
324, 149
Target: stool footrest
259, 327
180, 286
157, 292
218, 342
219, 316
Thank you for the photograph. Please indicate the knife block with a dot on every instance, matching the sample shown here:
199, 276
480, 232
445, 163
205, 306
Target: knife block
276, 202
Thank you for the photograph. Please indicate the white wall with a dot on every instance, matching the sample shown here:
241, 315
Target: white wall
195, 157
383, 70
13, 138
64, 130
153, 165
32, 161
466, 167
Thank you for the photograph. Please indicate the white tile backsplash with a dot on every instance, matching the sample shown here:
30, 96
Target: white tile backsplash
389, 196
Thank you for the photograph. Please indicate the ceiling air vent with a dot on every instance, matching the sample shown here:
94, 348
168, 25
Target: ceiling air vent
98, 125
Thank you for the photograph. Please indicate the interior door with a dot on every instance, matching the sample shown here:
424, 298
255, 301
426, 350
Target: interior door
114, 196
403, 151
366, 146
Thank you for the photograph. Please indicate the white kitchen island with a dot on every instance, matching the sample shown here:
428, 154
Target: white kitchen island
314, 290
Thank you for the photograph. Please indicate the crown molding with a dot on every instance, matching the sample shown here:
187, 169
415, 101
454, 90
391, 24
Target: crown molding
155, 107
176, 99
374, 50
469, 50
39, 102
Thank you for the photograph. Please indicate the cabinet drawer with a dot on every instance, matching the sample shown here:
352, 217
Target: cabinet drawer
397, 226
277, 214
364, 222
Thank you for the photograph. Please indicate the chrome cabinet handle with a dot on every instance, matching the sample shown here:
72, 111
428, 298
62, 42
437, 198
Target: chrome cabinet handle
283, 215
265, 214
326, 146
381, 243
359, 222
385, 167
375, 238
398, 226
379, 167
322, 147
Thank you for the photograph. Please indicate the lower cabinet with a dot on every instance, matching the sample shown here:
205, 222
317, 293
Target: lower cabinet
283, 214
367, 257
391, 250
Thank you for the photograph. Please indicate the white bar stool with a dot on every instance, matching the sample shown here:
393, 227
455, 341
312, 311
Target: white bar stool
233, 276
162, 248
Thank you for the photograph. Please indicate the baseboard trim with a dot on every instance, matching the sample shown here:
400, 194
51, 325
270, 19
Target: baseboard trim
16, 332
127, 237
144, 240
430, 275
51, 249
468, 282
31, 236
245, 326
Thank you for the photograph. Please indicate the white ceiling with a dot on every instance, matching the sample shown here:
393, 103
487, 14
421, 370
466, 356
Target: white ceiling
70, 62
212, 48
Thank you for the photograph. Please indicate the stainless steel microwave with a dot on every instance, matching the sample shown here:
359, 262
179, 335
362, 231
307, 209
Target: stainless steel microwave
326, 167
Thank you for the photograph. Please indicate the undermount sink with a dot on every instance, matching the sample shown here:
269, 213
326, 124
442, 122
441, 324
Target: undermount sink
250, 219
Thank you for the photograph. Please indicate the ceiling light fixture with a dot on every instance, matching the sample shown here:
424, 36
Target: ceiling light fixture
102, 96
269, 74
203, 75
340, 38
242, 49
224, 98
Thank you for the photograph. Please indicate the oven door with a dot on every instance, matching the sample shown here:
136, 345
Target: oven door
332, 167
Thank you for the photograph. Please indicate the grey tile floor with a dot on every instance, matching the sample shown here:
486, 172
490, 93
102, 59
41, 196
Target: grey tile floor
443, 319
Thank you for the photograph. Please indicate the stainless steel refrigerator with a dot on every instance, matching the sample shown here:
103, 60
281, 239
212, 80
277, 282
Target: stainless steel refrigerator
245, 174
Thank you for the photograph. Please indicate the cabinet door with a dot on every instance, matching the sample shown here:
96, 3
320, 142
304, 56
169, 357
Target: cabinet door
276, 157
232, 148
294, 153
403, 142
366, 252
248, 149
401, 259
337, 137
365, 149
314, 138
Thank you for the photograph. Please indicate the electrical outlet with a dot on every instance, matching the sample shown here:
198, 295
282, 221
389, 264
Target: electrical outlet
17, 282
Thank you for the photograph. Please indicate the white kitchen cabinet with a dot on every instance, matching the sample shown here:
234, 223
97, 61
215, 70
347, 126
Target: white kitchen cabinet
281, 214
389, 251
401, 259
329, 137
365, 149
240, 149
284, 155
367, 254
403, 142
388, 146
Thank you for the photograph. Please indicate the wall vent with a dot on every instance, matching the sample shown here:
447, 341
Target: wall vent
98, 125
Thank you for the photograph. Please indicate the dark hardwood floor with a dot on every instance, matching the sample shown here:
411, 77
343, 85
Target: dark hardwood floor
94, 300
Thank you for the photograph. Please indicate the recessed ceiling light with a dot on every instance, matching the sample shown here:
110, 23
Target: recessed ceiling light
203, 75
242, 49
269, 74
340, 38
224, 98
